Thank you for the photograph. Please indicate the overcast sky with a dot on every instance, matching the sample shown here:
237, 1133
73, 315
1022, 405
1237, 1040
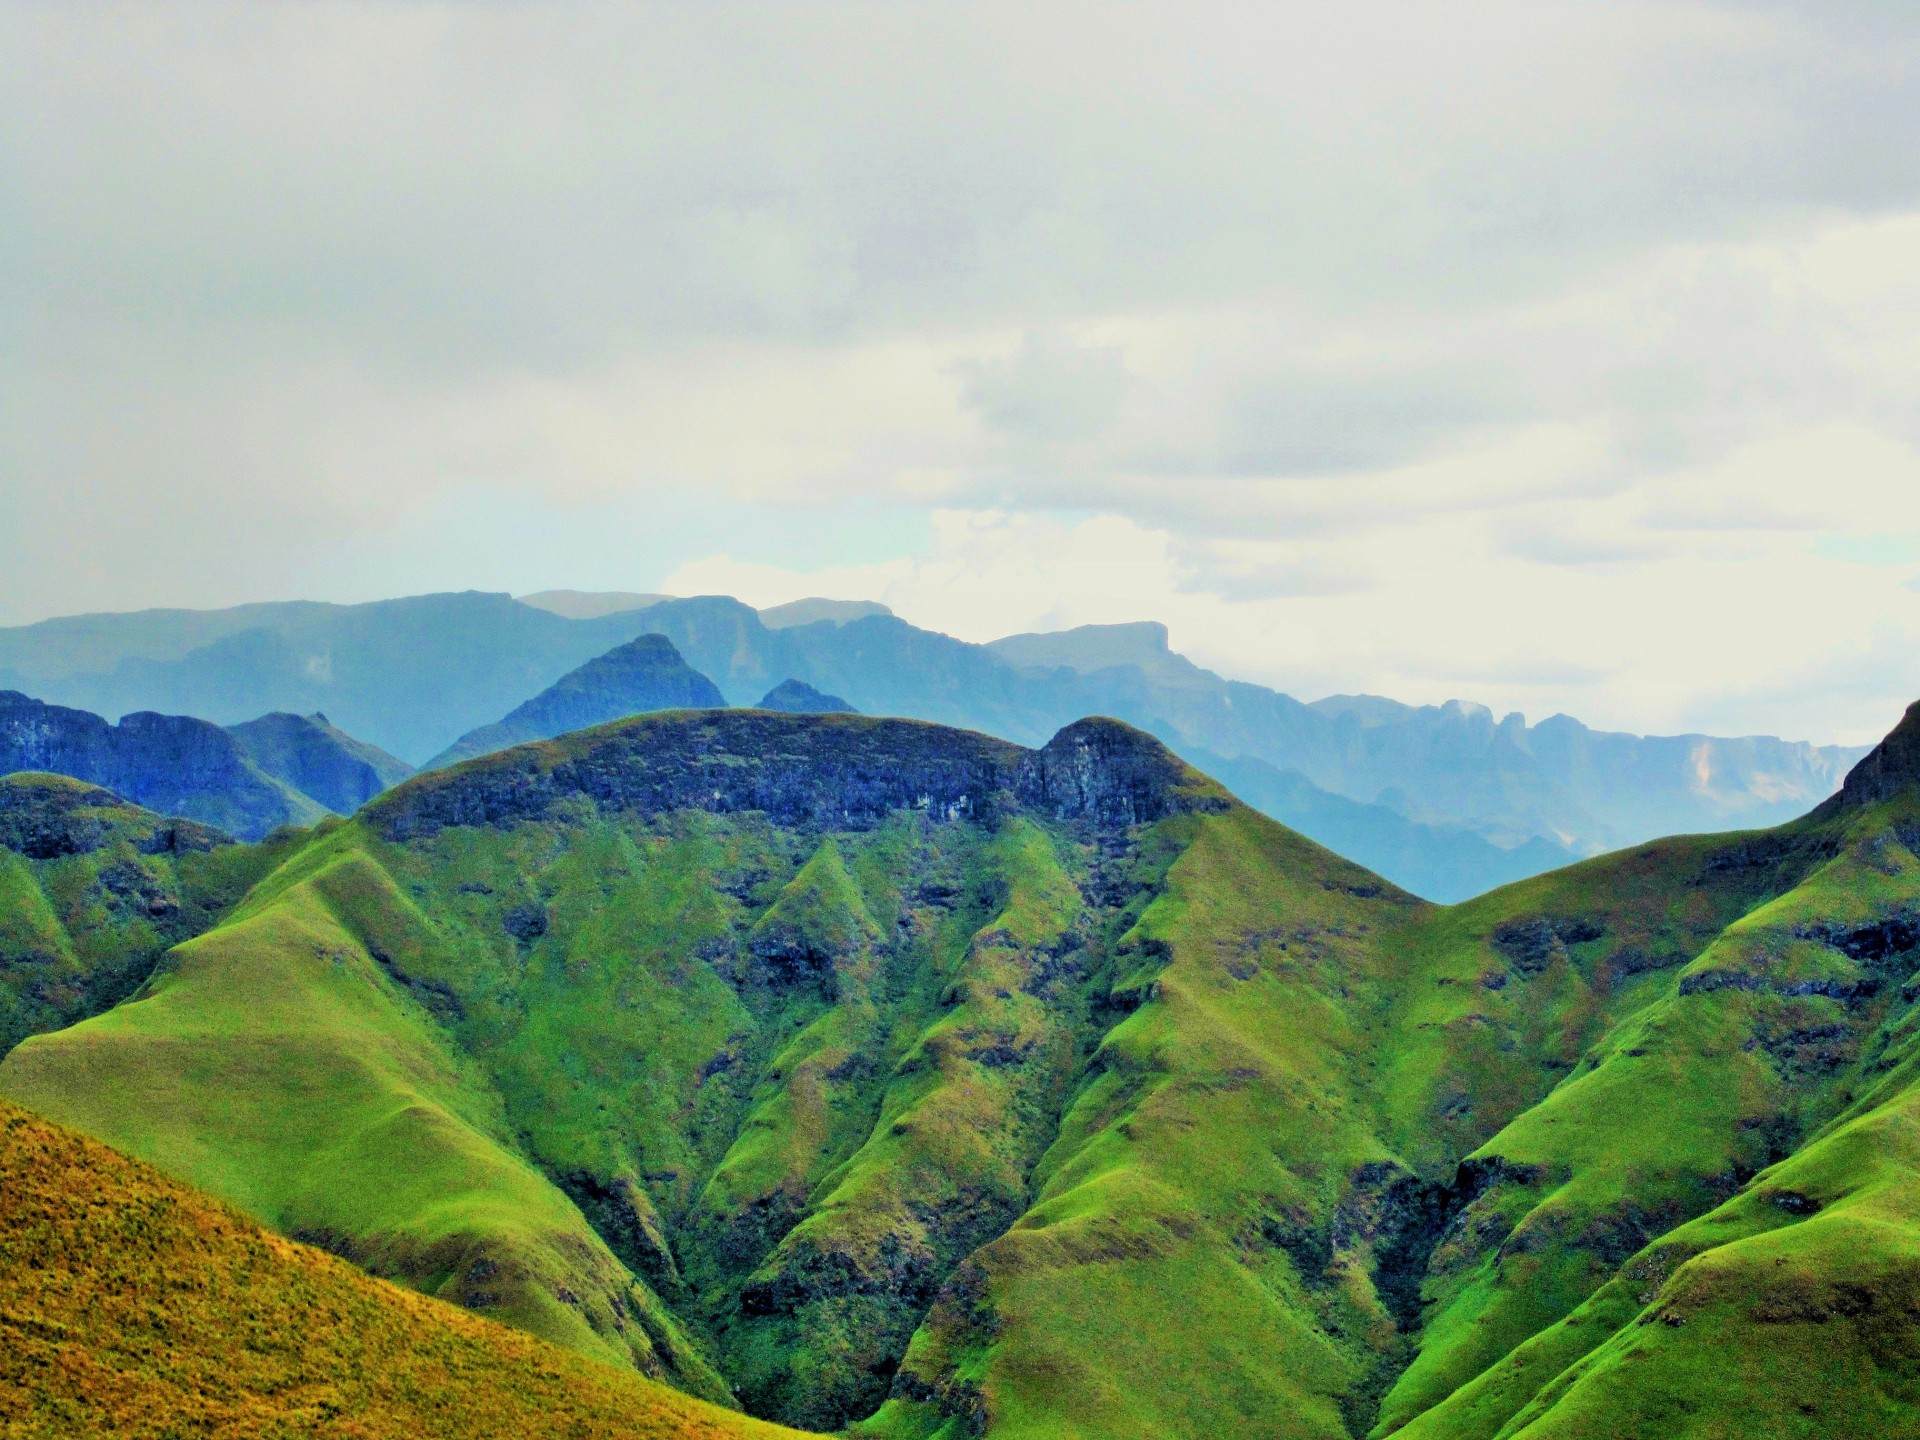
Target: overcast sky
1562, 356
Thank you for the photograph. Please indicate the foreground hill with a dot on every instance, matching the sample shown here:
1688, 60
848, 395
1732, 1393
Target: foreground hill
412, 675
133, 1306
901, 1078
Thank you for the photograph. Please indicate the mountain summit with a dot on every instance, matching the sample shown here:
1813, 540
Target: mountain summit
796, 697
631, 679
1889, 768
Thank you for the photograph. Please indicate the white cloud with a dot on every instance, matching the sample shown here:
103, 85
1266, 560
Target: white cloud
1544, 352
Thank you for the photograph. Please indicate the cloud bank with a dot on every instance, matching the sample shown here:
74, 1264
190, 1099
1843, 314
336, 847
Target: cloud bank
1559, 355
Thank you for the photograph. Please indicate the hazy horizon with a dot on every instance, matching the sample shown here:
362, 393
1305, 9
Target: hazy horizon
1555, 356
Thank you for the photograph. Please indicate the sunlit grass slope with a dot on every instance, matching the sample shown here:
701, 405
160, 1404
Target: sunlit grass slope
1709, 1228
910, 1081
94, 890
133, 1306
274, 1062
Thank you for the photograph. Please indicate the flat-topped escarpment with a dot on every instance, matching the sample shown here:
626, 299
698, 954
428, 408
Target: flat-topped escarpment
816, 770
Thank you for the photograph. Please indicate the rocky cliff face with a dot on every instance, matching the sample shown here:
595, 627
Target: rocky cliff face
1101, 770
1889, 768
173, 764
642, 675
815, 771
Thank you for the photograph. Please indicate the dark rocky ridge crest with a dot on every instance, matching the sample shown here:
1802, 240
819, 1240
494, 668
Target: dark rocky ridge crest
46, 816
1891, 767
814, 771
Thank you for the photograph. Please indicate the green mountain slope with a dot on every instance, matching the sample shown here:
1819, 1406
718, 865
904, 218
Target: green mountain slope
93, 891
1714, 1217
131, 1306
899, 1078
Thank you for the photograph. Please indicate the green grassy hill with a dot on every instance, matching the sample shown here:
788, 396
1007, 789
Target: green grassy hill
894, 1077
131, 1305
94, 890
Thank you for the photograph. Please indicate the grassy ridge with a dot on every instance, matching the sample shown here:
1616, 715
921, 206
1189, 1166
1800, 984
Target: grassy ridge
938, 1088
1645, 1281
94, 890
274, 1061
132, 1306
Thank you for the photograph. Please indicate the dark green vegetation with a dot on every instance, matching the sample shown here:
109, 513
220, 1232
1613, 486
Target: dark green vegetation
132, 1306
249, 780
1477, 799
796, 697
93, 891
644, 674
895, 1076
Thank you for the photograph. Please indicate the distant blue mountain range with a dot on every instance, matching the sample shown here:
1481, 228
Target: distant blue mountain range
1446, 800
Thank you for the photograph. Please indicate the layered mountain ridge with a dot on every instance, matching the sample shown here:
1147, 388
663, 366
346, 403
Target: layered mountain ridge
889, 1076
1473, 792
246, 780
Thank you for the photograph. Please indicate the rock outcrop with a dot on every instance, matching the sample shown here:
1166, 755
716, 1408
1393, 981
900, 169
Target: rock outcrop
1889, 768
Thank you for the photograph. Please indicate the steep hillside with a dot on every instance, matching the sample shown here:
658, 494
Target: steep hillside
644, 674
320, 760
899, 1078
1713, 1225
173, 764
132, 1306
94, 890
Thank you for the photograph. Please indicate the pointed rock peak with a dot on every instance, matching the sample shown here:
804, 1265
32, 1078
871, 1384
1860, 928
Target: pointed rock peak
1890, 768
647, 660
796, 697
1103, 770
641, 651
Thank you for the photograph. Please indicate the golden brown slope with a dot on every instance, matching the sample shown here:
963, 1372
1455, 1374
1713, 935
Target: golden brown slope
131, 1305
